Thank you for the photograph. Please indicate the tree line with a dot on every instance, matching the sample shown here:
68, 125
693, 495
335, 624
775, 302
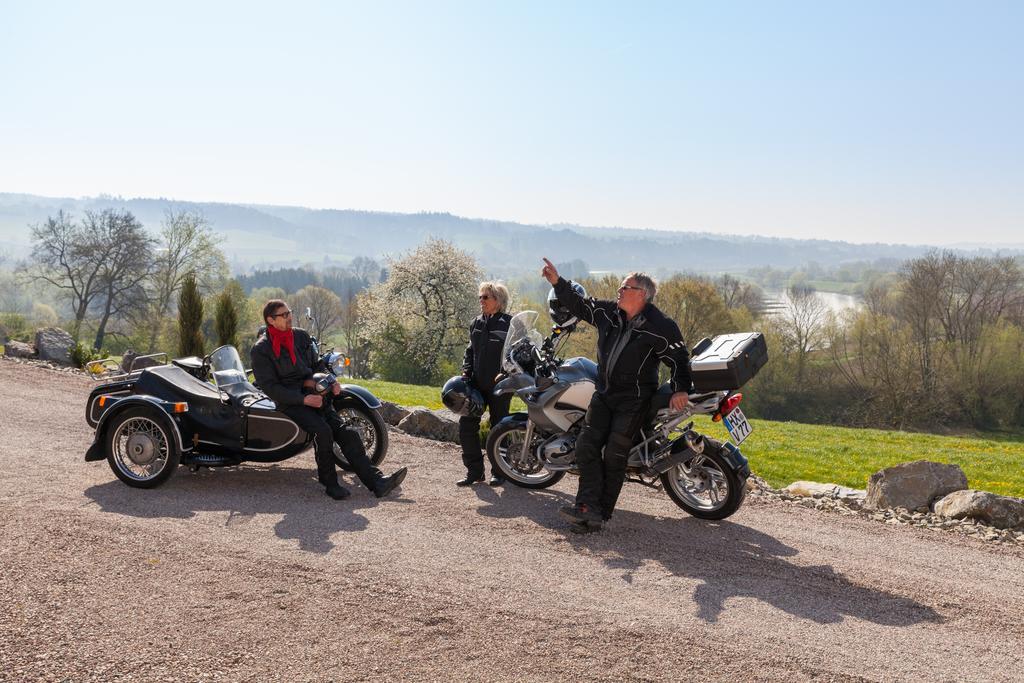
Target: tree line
937, 343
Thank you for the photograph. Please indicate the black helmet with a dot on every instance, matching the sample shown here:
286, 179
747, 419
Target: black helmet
460, 397
560, 315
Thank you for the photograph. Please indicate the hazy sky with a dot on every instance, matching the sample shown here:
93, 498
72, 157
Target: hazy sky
863, 121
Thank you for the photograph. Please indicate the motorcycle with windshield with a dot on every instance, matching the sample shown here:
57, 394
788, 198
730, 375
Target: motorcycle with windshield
704, 476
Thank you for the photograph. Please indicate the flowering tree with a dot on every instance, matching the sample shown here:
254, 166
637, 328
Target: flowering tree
417, 320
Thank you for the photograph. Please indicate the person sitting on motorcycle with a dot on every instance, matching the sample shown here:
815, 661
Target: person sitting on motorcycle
283, 361
634, 337
480, 365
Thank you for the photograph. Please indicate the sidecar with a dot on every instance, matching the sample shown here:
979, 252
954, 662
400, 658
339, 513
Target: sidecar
148, 421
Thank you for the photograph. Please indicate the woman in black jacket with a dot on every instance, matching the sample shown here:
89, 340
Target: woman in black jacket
480, 366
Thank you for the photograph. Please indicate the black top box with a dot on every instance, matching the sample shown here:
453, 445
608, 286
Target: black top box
728, 361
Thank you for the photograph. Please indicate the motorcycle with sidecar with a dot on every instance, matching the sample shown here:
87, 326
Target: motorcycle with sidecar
204, 412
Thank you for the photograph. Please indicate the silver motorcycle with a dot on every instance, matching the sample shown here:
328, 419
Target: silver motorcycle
703, 476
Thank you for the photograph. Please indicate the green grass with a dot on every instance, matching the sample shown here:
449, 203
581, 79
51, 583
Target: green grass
402, 394
412, 394
784, 452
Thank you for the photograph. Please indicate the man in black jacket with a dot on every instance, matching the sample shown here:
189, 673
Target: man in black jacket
633, 338
480, 365
283, 361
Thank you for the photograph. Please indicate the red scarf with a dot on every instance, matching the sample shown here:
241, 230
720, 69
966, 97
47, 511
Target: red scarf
279, 339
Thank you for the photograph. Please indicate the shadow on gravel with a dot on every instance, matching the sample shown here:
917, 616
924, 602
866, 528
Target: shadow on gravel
730, 560
308, 516
510, 501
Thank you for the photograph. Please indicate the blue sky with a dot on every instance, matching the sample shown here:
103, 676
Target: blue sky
861, 121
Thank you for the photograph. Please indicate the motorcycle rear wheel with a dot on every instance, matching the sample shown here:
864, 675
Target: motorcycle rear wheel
504, 448
714, 491
370, 427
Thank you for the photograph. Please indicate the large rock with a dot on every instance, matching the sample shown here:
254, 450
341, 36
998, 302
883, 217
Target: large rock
17, 349
913, 485
53, 343
998, 511
813, 489
392, 412
430, 425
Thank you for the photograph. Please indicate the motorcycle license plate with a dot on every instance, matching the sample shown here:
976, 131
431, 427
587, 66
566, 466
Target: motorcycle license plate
736, 423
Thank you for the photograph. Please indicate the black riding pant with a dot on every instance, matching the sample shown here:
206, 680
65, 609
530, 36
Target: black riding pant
326, 428
611, 424
469, 434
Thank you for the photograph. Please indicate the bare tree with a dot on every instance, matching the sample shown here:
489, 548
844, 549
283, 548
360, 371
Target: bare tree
949, 301
366, 269
356, 346
70, 258
738, 294
325, 307
923, 282
805, 319
695, 305
126, 266
873, 353
189, 245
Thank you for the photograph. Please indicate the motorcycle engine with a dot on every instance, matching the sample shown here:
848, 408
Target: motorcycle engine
558, 452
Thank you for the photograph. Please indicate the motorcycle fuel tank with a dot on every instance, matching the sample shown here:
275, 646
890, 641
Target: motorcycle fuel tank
566, 403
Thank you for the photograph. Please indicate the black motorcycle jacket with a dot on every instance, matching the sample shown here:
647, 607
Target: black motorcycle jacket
483, 353
277, 376
629, 351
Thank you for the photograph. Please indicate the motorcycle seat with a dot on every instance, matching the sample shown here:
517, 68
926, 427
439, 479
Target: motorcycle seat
664, 394
659, 401
171, 383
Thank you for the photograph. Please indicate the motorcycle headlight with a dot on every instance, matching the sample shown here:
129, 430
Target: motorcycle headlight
335, 360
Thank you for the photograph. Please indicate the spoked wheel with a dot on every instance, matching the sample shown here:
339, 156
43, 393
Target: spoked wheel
140, 448
370, 427
505, 450
710, 490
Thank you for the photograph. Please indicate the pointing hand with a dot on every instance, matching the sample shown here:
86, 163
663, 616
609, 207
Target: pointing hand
549, 272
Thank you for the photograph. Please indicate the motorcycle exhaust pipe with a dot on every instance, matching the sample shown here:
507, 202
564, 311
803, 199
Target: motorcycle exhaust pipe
677, 456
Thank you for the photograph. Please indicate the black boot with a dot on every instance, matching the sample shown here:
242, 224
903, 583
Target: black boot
337, 491
389, 484
471, 479
581, 512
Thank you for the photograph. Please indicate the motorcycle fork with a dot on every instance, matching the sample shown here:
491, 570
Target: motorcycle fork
525, 452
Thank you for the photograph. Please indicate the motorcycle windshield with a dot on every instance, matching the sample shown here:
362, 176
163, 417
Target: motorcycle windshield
522, 326
227, 366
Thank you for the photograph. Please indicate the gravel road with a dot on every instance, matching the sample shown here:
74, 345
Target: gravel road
253, 574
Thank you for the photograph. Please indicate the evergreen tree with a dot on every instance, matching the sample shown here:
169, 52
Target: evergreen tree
190, 319
225, 320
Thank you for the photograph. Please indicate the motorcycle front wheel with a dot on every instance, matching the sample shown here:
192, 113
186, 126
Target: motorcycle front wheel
712, 490
370, 427
505, 451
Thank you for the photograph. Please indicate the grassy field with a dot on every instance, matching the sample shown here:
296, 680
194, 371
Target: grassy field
411, 394
784, 452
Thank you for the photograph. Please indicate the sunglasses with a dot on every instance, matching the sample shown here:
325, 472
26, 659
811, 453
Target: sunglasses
484, 297
625, 287
286, 314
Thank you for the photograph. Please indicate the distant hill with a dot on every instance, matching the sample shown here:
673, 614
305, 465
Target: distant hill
266, 236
